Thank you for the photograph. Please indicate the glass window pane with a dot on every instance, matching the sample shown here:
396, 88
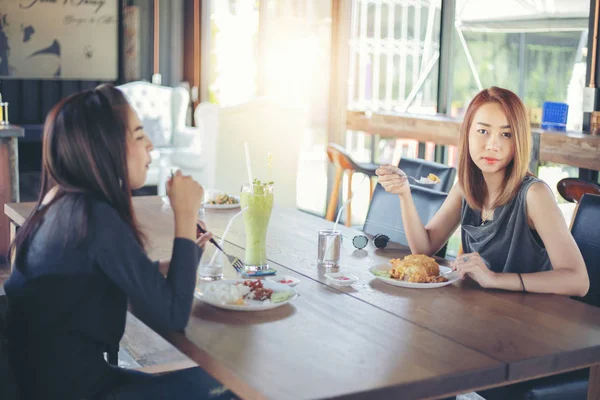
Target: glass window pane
233, 51
296, 65
395, 52
394, 67
519, 45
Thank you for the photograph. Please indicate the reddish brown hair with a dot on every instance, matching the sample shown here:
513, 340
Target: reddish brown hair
469, 175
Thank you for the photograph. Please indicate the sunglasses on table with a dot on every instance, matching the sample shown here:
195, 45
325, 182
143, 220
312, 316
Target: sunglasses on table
380, 241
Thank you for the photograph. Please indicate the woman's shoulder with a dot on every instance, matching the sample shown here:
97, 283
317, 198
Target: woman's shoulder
530, 180
106, 225
537, 190
103, 213
77, 203
457, 190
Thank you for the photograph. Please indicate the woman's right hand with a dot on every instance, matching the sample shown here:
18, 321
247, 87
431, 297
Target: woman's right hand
185, 195
393, 180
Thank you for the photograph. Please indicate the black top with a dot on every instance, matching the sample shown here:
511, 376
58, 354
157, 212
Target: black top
506, 242
68, 297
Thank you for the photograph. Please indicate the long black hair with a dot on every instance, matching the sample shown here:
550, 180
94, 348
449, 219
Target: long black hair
84, 154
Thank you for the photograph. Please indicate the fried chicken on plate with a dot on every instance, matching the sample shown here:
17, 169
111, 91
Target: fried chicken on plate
416, 268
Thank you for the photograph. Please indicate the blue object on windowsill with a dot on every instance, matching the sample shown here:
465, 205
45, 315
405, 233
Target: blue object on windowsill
554, 116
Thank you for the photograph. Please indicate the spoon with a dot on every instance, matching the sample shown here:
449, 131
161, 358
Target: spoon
423, 180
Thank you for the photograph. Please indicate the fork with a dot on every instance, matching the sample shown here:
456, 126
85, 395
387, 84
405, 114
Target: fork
445, 273
234, 261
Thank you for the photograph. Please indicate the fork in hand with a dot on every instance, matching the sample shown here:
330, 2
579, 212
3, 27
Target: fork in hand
234, 261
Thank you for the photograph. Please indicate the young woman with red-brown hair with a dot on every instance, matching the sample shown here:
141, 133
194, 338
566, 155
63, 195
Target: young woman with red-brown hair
513, 233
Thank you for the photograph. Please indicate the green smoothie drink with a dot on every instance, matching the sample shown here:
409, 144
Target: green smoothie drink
256, 221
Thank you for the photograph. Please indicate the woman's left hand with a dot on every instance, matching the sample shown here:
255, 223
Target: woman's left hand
202, 238
475, 267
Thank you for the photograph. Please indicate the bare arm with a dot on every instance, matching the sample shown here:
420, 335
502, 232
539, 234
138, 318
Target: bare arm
569, 275
422, 239
432, 237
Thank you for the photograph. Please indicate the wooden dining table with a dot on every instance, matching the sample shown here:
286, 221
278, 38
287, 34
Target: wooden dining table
371, 339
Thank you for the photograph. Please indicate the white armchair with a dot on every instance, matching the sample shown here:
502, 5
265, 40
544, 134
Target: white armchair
163, 111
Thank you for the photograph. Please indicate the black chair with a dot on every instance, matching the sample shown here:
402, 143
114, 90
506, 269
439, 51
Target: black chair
9, 389
572, 385
586, 233
418, 168
384, 212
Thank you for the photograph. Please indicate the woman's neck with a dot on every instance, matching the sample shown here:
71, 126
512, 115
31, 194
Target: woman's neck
494, 185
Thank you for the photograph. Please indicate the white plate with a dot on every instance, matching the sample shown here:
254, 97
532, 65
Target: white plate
212, 194
452, 277
334, 278
253, 305
165, 200
276, 279
223, 206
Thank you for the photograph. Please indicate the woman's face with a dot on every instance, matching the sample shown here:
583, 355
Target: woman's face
138, 150
491, 144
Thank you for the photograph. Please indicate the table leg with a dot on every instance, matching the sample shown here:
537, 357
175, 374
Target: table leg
594, 383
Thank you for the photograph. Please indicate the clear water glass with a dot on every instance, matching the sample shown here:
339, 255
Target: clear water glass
211, 264
329, 248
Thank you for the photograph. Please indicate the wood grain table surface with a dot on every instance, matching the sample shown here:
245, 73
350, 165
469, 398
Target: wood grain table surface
370, 340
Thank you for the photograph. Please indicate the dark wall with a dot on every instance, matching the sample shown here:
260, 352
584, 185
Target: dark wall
30, 100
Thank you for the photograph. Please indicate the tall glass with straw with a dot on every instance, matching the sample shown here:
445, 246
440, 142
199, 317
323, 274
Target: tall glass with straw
258, 198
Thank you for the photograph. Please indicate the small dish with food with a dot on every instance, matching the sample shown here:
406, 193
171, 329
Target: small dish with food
287, 280
341, 278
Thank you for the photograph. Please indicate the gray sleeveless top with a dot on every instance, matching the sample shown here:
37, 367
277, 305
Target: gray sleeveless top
506, 242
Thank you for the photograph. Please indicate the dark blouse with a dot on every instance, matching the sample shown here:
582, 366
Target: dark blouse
506, 242
68, 298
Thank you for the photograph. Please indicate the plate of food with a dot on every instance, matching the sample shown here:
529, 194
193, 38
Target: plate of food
216, 199
245, 295
415, 271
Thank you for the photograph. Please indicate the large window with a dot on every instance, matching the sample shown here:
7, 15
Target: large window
537, 49
394, 67
394, 55
273, 57
233, 51
296, 72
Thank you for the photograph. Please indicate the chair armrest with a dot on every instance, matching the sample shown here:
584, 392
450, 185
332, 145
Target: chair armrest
188, 137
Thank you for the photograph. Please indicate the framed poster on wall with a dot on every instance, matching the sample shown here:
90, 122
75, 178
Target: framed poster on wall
131, 43
59, 39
